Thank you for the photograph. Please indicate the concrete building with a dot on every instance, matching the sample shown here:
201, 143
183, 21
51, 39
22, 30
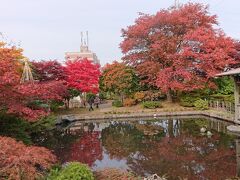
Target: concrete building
83, 53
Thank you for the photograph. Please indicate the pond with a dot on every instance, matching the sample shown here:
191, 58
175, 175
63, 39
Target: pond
173, 147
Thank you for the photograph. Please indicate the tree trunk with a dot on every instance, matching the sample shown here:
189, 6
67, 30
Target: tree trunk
66, 103
122, 96
169, 96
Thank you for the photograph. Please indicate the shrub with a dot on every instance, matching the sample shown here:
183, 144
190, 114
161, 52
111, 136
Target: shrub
188, 101
151, 104
129, 102
19, 161
90, 95
15, 127
73, 171
44, 124
112, 173
102, 95
139, 96
151, 95
117, 103
55, 105
201, 104
221, 97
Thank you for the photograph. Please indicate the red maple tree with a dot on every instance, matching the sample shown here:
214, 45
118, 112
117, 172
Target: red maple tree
20, 99
183, 43
236, 54
48, 70
18, 161
83, 75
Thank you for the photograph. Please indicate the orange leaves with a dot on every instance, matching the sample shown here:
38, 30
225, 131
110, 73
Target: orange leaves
18, 161
129, 102
139, 96
117, 77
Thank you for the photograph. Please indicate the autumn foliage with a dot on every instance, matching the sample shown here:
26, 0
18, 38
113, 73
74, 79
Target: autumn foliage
20, 99
119, 78
177, 47
177, 150
83, 75
48, 70
18, 161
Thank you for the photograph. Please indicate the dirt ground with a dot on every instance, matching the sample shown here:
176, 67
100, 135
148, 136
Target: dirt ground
107, 108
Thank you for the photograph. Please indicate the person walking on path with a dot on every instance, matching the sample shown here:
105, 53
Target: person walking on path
90, 102
97, 101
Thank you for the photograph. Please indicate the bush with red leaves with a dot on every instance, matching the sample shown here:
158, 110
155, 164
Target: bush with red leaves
18, 161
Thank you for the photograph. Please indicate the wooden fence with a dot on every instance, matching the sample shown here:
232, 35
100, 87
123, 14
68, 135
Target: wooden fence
222, 106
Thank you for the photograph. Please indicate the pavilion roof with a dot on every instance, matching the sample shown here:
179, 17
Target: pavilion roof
230, 72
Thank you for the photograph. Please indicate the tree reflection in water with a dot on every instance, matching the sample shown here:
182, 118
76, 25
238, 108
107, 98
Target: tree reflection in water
179, 152
172, 147
87, 149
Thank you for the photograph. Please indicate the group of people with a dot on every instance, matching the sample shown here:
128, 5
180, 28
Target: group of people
93, 101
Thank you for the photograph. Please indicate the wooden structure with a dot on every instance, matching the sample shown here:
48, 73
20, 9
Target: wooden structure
235, 75
27, 72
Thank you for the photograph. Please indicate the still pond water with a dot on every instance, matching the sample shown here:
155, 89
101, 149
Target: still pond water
173, 147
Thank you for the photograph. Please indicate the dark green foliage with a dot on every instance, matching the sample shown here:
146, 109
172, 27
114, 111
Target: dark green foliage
101, 84
73, 171
201, 104
222, 97
55, 105
73, 92
55, 170
103, 95
117, 103
54, 139
44, 124
151, 104
22, 130
188, 101
38, 103
225, 85
224, 91
15, 127
90, 95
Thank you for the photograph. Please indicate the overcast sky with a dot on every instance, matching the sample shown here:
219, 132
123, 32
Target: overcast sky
49, 28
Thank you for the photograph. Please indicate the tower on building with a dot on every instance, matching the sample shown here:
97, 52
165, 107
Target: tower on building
84, 51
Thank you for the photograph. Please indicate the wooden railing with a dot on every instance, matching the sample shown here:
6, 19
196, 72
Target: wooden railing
222, 106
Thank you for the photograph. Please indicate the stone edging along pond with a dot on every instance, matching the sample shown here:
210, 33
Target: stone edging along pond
209, 114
